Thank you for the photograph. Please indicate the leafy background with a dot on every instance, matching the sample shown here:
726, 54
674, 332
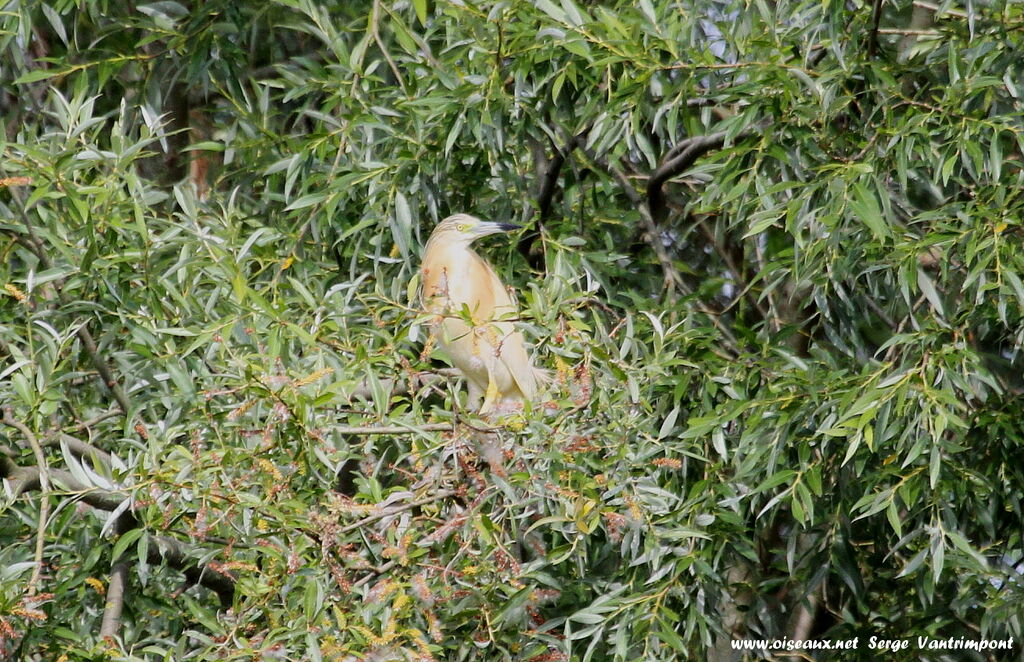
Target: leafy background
773, 262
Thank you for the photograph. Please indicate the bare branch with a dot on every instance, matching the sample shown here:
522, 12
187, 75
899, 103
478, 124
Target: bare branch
876, 17
673, 279
891, 353
27, 479
734, 268
175, 554
547, 185
878, 311
935, 8
85, 425
377, 572
111, 623
908, 31
805, 613
103, 368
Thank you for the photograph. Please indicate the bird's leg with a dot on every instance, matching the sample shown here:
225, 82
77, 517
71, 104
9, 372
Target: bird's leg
492, 395
474, 396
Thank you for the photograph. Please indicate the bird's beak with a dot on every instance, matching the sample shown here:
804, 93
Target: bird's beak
486, 227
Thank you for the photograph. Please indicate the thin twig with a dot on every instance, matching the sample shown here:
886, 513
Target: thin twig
391, 429
881, 313
731, 265
85, 425
891, 353
935, 8
44, 499
377, 572
908, 31
393, 510
772, 304
103, 368
400, 386
375, 31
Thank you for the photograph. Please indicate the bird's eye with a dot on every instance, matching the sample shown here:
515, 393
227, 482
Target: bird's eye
463, 227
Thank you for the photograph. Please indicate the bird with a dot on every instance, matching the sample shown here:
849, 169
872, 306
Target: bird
473, 316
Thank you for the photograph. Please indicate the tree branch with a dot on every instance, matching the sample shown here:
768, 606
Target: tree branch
85, 425
167, 550
545, 196
391, 429
103, 368
44, 499
547, 189
730, 264
393, 510
377, 572
400, 386
673, 279
115, 600
375, 31
876, 18
679, 158
27, 479
79, 447
175, 555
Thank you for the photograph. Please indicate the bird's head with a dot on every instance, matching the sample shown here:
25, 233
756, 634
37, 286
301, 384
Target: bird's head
465, 229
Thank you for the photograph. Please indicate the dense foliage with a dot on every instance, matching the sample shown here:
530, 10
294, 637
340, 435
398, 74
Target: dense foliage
773, 264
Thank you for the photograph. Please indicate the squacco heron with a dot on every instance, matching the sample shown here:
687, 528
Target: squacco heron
474, 315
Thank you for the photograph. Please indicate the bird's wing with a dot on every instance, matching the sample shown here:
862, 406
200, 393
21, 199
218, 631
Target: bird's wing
433, 282
516, 359
512, 352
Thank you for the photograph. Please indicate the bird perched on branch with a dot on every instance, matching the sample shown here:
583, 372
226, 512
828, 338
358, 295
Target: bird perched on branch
474, 314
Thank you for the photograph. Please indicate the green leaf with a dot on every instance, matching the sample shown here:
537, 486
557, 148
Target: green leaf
865, 207
307, 200
421, 11
125, 541
928, 289
37, 75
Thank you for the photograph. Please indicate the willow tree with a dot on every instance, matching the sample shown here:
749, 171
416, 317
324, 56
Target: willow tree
772, 262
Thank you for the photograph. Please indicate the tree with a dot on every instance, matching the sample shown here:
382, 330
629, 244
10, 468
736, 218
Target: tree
773, 264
